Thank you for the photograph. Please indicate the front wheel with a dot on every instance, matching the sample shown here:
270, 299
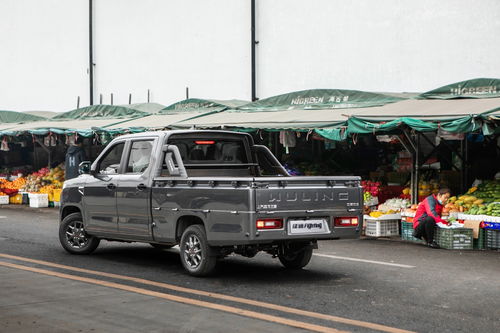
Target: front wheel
295, 258
73, 237
195, 252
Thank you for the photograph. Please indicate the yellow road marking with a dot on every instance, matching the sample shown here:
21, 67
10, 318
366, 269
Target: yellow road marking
230, 309
342, 320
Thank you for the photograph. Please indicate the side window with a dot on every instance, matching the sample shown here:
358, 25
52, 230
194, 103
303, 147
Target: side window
110, 163
140, 155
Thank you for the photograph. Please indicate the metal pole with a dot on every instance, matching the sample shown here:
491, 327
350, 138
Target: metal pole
78, 102
111, 98
148, 95
91, 56
253, 44
417, 167
466, 164
100, 98
187, 92
130, 98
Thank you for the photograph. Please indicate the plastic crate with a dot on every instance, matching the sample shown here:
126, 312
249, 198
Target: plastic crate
407, 232
381, 228
39, 200
4, 199
492, 239
16, 199
454, 239
56, 193
479, 243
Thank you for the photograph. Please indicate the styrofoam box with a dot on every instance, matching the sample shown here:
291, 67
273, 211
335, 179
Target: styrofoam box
396, 216
382, 228
39, 200
4, 199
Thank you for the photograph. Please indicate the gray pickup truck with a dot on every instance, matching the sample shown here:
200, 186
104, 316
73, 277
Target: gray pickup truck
213, 193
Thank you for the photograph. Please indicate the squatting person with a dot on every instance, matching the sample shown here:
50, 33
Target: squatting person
428, 214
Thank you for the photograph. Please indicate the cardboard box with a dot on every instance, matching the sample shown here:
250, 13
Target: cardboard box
474, 225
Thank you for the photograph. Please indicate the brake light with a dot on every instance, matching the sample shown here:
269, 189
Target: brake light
269, 223
346, 221
204, 142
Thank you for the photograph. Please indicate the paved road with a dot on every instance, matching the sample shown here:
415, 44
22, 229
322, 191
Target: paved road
350, 285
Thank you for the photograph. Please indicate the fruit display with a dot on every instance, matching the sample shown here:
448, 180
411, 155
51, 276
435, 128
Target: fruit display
427, 188
379, 213
373, 188
396, 204
43, 178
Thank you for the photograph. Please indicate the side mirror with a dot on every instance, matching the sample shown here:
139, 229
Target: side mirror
84, 168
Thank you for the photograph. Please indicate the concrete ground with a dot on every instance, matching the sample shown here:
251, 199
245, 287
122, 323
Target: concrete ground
371, 282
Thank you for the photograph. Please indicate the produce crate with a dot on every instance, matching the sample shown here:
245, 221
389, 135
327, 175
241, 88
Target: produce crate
56, 193
39, 200
407, 232
479, 243
16, 199
492, 239
26, 198
454, 239
381, 228
4, 199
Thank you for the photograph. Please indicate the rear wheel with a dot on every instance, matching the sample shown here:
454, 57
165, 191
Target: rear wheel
295, 257
195, 252
73, 237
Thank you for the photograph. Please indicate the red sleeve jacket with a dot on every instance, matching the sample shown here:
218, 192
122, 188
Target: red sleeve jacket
430, 206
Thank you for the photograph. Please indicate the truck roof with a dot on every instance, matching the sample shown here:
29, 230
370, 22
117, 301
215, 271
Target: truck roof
170, 132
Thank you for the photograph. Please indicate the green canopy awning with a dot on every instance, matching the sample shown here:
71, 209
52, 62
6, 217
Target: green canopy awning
302, 111
102, 111
146, 107
187, 109
319, 99
201, 105
18, 117
81, 127
475, 88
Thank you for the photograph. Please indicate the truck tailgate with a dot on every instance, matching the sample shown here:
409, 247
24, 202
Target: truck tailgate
308, 194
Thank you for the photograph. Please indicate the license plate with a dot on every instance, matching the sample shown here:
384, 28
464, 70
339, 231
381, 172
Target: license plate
304, 227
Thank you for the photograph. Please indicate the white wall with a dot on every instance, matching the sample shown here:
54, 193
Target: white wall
164, 46
43, 54
167, 46
383, 45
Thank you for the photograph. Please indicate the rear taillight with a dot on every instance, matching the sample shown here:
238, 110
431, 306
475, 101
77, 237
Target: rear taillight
269, 224
346, 221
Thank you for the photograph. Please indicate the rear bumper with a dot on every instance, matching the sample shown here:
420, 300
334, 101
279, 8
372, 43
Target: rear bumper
280, 236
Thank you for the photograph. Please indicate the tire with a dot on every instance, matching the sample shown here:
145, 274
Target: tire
295, 258
73, 237
195, 252
161, 246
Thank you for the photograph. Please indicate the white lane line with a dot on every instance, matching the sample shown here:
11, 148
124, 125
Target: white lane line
363, 260
3, 217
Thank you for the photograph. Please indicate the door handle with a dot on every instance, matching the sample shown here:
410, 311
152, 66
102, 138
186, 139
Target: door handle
141, 187
111, 186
